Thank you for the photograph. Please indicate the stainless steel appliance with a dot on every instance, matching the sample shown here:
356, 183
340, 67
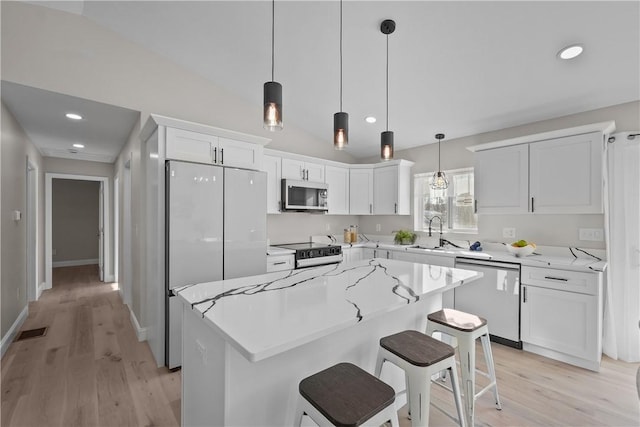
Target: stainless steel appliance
496, 297
314, 254
304, 196
216, 224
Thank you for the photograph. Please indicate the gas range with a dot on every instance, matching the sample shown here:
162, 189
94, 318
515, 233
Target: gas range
314, 254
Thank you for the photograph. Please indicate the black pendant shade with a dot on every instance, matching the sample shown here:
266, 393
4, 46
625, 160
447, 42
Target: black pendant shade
272, 114
272, 106
386, 145
340, 130
439, 179
387, 27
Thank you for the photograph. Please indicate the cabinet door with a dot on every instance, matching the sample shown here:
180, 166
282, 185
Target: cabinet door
292, 169
271, 165
562, 321
566, 174
361, 191
356, 254
385, 190
314, 172
346, 255
367, 253
239, 154
502, 180
338, 192
190, 146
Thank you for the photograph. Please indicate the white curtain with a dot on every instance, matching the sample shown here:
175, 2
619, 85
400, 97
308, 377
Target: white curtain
621, 331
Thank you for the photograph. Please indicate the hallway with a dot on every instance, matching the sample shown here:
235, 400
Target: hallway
89, 369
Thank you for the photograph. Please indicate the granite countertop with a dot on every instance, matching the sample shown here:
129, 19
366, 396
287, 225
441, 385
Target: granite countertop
268, 314
275, 250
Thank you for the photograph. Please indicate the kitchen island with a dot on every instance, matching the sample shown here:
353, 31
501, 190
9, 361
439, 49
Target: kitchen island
247, 342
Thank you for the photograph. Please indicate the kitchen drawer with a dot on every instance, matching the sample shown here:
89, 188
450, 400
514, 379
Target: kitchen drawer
279, 262
570, 281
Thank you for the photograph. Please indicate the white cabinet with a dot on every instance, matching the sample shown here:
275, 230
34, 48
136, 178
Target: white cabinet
561, 315
352, 254
361, 191
502, 180
392, 187
302, 170
204, 148
565, 174
280, 262
271, 165
424, 258
337, 179
552, 176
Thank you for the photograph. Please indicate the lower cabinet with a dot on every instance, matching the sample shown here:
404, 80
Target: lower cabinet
280, 262
561, 315
352, 254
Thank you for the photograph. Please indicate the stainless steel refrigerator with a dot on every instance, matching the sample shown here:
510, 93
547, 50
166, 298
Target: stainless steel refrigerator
216, 222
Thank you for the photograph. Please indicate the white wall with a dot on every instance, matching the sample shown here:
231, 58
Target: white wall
15, 149
74, 220
549, 230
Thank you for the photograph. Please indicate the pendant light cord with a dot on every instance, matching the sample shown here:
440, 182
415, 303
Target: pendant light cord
340, 55
273, 25
387, 82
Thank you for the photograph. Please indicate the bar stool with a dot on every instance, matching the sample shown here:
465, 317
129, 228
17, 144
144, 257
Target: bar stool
466, 328
345, 395
420, 356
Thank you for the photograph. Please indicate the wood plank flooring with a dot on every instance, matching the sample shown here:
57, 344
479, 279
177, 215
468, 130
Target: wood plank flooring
90, 370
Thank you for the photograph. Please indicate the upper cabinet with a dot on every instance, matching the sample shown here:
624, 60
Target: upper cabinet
272, 166
361, 191
392, 185
302, 170
543, 174
204, 147
337, 179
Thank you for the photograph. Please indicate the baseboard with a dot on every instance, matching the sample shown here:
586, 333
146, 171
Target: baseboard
41, 288
593, 365
74, 263
110, 278
141, 332
7, 339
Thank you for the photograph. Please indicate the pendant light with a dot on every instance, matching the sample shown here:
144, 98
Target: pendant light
439, 180
387, 27
340, 119
272, 90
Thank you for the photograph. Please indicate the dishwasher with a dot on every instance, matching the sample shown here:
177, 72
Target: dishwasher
496, 297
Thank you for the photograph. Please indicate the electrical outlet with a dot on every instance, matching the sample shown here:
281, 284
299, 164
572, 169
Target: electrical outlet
509, 232
328, 227
202, 351
18, 294
54, 251
378, 227
591, 234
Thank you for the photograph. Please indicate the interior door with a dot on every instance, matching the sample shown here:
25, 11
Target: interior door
101, 232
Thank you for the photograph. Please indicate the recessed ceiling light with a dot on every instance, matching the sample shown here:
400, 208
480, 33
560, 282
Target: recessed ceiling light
73, 116
570, 52
78, 145
370, 119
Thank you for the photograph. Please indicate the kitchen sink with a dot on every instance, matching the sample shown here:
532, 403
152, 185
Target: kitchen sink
426, 247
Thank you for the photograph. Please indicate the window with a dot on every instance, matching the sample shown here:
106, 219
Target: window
454, 205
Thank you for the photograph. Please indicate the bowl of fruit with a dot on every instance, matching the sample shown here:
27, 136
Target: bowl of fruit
521, 248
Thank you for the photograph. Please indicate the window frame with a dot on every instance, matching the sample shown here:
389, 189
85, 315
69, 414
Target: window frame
419, 201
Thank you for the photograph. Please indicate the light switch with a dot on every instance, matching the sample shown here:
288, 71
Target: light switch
17, 215
509, 232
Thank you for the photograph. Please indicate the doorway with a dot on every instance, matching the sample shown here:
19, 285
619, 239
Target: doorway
126, 278
102, 232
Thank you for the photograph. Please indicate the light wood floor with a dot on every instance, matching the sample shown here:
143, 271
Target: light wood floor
90, 370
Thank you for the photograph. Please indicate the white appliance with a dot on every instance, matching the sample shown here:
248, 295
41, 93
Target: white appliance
216, 228
496, 297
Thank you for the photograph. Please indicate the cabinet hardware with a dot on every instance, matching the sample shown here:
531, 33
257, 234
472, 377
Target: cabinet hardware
395, 208
222, 156
375, 253
562, 279
475, 206
307, 174
370, 208
280, 263
215, 154
524, 294
532, 210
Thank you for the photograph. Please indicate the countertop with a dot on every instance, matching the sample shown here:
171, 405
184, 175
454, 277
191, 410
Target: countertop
268, 314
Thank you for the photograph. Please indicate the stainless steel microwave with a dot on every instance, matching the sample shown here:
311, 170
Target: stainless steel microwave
304, 196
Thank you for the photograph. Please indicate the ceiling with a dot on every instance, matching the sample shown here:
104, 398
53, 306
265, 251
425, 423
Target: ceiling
103, 131
460, 68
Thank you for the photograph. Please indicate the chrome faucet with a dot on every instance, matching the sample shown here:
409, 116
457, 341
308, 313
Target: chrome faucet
441, 240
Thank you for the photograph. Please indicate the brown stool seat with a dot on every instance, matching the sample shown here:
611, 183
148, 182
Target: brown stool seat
417, 348
459, 320
346, 395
